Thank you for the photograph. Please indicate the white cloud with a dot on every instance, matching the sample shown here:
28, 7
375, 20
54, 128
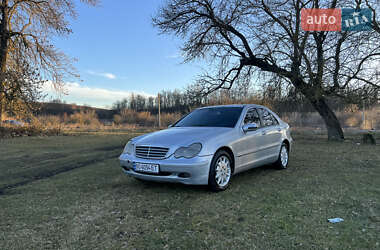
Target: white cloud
174, 56
73, 92
109, 76
106, 75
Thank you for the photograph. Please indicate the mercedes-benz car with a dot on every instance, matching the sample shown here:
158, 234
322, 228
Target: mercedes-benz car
210, 145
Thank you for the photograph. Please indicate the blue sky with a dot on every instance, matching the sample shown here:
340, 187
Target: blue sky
119, 51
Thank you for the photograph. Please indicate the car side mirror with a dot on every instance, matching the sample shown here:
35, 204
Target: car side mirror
250, 127
170, 125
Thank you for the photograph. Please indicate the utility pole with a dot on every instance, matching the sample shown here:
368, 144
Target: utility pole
363, 115
159, 110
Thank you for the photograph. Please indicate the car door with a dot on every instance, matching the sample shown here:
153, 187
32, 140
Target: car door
271, 134
249, 147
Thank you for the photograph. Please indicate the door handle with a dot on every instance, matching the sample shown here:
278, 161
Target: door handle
279, 130
264, 132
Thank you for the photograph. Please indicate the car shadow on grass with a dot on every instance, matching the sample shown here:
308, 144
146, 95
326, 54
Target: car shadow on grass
244, 177
170, 186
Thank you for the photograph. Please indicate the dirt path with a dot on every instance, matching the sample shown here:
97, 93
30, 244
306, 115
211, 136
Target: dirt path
63, 169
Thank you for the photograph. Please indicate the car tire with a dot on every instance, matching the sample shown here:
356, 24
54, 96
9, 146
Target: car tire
220, 171
283, 157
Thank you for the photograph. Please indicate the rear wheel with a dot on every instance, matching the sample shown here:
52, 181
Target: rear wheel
220, 171
283, 158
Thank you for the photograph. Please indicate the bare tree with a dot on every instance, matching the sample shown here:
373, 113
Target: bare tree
26, 30
262, 39
375, 7
22, 90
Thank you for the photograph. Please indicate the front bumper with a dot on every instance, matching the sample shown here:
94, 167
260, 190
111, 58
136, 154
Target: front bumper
194, 171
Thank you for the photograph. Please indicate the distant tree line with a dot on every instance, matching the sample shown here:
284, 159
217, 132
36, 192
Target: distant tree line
280, 100
171, 102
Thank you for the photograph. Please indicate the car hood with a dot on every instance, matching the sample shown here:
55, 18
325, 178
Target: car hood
180, 136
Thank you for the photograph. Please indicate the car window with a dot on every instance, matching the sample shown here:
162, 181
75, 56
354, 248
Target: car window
252, 117
268, 118
275, 121
211, 117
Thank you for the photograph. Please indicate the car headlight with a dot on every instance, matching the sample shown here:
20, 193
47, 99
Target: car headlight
128, 149
188, 152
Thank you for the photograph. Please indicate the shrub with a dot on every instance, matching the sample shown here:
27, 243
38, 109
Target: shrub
117, 119
50, 121
169, 118
128, 116
303, 119
13, 131
146, 119
373, 118
84, 118
351, 119
347, 118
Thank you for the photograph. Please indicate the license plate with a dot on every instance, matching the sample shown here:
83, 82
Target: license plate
146, 167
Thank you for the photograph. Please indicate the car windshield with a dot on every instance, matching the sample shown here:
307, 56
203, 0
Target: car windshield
211, 117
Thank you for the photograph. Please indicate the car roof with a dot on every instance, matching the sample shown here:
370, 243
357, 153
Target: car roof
232, 105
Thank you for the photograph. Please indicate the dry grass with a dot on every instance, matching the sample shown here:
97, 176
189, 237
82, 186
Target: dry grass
84, 118
145, 119
22, 131
348, 119
87, 121
169, 118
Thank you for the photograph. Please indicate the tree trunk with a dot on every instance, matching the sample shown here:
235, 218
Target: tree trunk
1, 110
334, 129
4, 37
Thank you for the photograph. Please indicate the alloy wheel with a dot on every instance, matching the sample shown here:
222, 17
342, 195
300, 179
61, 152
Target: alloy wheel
222, 171
284, 156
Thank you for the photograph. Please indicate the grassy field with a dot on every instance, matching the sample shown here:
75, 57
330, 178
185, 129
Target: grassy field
69, 192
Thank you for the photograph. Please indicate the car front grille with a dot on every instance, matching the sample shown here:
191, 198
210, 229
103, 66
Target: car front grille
147, 152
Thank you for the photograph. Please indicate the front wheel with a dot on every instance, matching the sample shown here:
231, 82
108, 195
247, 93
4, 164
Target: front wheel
283, 158
220, 171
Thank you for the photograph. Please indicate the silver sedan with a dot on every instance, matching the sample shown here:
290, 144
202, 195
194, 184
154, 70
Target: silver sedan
210, 145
